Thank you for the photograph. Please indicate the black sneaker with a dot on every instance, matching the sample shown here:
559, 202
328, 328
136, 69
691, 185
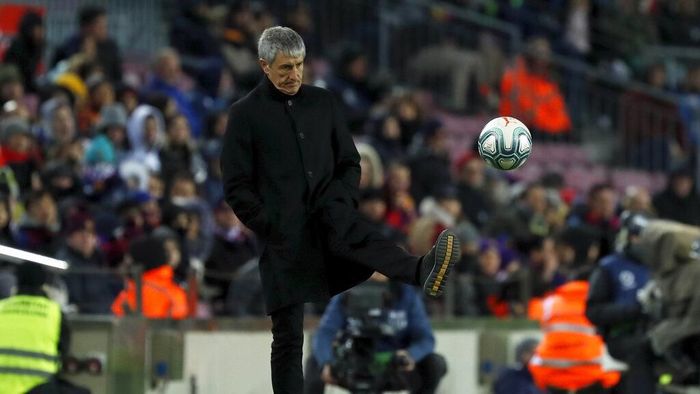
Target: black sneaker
436, 264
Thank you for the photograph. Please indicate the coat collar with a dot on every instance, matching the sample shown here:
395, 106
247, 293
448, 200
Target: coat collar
271, 91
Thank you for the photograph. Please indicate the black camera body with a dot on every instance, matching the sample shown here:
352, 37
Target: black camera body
358, 365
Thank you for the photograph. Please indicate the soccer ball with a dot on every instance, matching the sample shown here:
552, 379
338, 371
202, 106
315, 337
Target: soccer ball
505, 143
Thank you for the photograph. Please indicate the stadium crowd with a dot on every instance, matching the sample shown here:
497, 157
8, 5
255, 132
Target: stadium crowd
95, 155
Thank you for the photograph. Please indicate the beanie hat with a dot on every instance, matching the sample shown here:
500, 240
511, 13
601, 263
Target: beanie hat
149, 252
31, 275
112, 115
13, 125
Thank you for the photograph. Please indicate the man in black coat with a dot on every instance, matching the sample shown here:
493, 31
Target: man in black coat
291, 174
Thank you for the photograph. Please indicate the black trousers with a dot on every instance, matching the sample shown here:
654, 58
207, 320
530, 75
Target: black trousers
636, 351
353, 238
424, 379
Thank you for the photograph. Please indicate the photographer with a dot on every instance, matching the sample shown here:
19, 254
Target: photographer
410, 340
616, 306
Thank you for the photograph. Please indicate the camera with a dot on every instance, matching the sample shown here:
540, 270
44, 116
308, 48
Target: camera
360, 366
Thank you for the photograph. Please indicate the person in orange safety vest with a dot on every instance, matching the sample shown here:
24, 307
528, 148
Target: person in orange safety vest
570, 356
161, 298
529, 93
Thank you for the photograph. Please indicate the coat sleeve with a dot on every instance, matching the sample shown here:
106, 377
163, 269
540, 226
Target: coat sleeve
331, 323
237, 168
346, 176
421, 334
601, 310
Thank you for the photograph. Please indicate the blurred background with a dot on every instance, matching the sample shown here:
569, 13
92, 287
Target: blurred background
111, 119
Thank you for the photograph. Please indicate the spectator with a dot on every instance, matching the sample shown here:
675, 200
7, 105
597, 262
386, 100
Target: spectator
448, 69
18, 152
239, 46
92, 21
679, 201
678, 23
529, 93
101, 94
413, 341
13, 101
58, 127
472, 190
578, 251
637, 200
487, 282
91, 286
26, 49
526, 218
161, 298
386, 137
234, 246
436, 214
651, 127
600, 213
109, 145
411, 117
373, 207
689, 106
180, 153
38, 229
350, 82
622, 31
191, 37
198, 226
517, 379
542, 263
430, 167
401, 208
372, 170
167, 78
146, 132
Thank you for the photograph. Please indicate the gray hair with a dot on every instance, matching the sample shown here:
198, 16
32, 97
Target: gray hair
280, 39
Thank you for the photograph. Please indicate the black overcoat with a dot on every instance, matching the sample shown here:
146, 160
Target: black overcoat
286, 161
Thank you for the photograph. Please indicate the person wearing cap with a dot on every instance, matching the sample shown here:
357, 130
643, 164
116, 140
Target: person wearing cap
518, 379
90, 291
291, 174
161, 297
34, 335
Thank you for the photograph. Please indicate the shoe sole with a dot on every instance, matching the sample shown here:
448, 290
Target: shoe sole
447, 253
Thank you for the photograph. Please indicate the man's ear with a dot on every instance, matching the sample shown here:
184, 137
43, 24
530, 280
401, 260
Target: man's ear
264, 66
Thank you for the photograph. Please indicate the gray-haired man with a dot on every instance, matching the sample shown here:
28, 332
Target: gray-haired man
291, 174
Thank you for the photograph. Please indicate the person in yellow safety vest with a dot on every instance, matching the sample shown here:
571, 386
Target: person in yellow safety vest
569, 359
33, 336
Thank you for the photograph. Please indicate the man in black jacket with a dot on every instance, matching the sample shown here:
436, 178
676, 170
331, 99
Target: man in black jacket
291, 174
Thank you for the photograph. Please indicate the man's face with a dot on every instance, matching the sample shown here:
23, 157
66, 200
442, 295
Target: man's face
604, 203
374, 209
682, 186
99, 28
285, 72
